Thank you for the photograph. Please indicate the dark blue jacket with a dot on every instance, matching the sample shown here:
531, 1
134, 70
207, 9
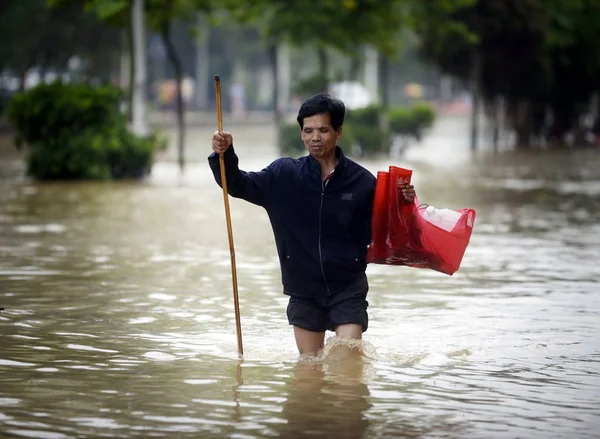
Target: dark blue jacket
321, 231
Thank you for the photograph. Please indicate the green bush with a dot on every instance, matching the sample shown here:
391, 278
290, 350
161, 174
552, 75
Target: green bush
76, 131
91, 155
424, 114
367, 140
290, 140
370, 115
411, 121
366, 130
49, 110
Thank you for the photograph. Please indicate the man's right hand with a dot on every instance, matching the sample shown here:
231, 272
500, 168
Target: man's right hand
221, 140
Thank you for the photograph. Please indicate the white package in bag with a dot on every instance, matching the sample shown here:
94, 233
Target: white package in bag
445, 219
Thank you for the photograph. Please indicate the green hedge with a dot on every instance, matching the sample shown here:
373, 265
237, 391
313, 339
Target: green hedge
76, 131
368, 131
411, 121
290, 141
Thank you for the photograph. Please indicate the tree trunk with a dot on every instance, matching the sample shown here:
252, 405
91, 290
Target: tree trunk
497, 114
560, 126
523, 137
282, 77
277, 116
128, 36
323, 67
538, 123
596, 117
523, 125
355, 63
372, 73
22, 77
139, 122
495, 121
43, 71
475, 97
384, 81
178, 69
202, 63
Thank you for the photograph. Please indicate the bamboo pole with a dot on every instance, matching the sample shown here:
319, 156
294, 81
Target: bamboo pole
236, 303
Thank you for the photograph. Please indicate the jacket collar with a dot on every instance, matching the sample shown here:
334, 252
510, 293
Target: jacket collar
315, 166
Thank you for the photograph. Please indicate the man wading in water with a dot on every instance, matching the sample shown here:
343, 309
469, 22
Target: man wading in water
320, 209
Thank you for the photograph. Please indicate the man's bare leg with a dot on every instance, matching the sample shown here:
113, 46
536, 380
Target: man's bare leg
309, 342
350, 331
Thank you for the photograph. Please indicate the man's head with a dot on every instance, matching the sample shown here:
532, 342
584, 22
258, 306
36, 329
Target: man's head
321, 118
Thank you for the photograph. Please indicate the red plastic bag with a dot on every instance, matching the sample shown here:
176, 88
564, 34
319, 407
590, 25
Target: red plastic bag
401, 235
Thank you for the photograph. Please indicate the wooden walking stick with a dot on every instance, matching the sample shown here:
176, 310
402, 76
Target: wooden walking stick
236, 302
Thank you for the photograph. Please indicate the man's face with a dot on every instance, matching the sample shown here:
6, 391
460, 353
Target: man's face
318, 135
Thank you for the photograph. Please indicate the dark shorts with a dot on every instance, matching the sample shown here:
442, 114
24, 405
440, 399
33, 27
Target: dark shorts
321, 314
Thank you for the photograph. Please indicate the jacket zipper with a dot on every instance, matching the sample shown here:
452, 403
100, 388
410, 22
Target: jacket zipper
323, 184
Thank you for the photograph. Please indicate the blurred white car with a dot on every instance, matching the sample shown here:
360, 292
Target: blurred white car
354, 94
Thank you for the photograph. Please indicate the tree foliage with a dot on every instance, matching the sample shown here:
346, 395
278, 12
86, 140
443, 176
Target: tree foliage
76, 131
159, 17
344, 25
540, 56
35, 35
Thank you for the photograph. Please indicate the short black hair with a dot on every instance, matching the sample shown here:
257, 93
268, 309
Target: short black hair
323, 103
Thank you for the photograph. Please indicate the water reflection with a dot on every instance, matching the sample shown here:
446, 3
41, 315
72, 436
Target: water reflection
324, 402
328, 397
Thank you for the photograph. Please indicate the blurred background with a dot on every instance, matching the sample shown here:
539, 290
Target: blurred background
518, 74
116, 317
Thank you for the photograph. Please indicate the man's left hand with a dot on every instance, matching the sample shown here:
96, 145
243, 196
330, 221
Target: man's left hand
408, 193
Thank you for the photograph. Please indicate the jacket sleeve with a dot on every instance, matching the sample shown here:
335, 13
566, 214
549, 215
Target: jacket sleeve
250, 186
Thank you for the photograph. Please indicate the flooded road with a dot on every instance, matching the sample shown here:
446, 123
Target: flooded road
118, 318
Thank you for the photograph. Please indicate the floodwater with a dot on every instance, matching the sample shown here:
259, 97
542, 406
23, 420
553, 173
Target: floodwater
118, 318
